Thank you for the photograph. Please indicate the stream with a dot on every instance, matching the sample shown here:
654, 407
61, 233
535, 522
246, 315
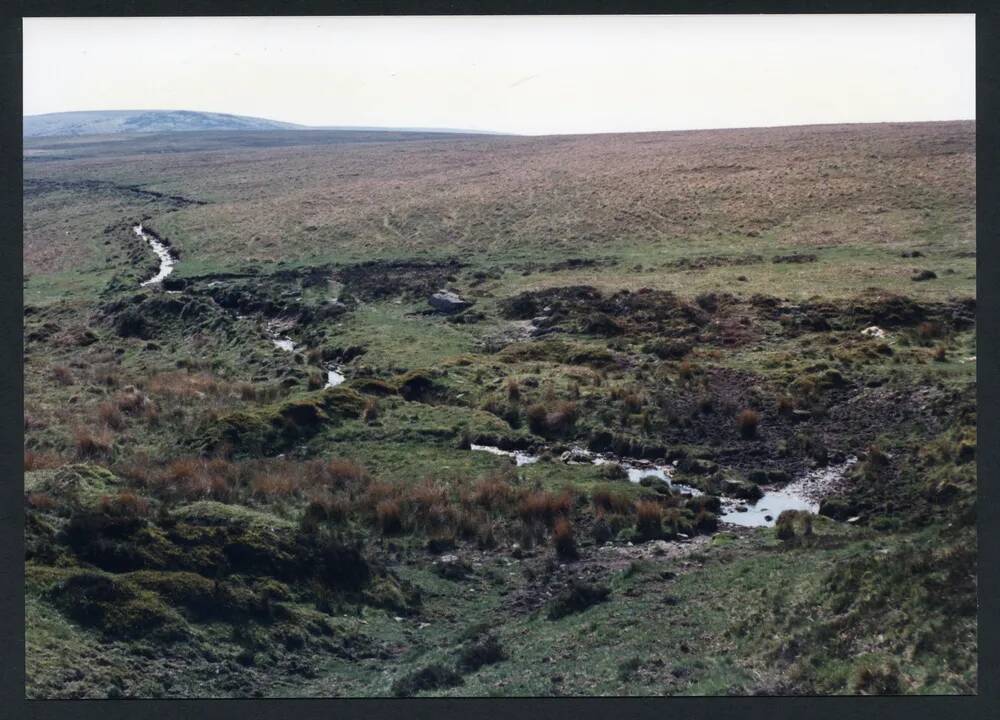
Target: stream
333, 375
162, 252
803, 493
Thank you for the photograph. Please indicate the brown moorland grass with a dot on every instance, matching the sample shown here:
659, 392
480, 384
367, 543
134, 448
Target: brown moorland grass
93, 444
649, 518
39, 460
607, 499
747, 422
476, 190
543, 506
563, 539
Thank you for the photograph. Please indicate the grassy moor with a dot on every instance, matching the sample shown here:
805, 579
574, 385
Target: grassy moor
433, 414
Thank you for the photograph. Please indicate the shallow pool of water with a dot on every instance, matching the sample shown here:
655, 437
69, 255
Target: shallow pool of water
801, 494
765, 512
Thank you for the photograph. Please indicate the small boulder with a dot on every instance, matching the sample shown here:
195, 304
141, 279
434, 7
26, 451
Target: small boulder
742, 489
445, 301
575, 456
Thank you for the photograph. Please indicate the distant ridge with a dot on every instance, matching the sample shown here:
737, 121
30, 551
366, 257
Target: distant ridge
108, 122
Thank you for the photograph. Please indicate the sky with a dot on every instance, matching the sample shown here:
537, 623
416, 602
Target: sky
527, 75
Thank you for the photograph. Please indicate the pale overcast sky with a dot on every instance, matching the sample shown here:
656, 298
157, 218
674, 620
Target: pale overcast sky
513, 74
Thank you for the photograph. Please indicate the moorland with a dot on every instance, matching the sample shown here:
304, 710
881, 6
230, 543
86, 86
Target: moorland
644, 414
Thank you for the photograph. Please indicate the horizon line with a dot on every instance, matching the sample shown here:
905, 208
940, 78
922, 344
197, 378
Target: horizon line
459, 130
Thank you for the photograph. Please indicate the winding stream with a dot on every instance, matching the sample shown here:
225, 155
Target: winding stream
333, 375
162, 251
803, 493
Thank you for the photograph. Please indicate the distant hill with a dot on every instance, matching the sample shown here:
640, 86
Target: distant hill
112, 122
106, 122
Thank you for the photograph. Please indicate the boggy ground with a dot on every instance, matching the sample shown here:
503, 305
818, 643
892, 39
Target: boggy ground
205, 518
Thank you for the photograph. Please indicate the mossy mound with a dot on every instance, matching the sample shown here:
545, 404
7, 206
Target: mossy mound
271, 429
557, 351
82, 483
116, 608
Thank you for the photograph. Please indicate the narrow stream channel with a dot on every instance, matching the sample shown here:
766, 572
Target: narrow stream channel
333, 375
162, 252
803, 493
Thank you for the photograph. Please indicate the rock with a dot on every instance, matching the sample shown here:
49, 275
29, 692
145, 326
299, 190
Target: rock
757, 476
580, 596
924, 275
838, 508
445, 301
575, 456
655, 483
330, 309
451, 567
697, 466
742, 489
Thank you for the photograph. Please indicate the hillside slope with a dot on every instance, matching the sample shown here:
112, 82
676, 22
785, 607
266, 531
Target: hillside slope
101, 122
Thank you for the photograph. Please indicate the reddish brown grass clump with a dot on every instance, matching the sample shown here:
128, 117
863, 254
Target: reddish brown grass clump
34, 460
40, 501
93, 444
341, 471
649, 519
563, 539
194, 478
62, 375
389, 516
125, 504
110, 416
371, 412
929, 330
610, 500
493, 493
542, 506
277, 482
747, 422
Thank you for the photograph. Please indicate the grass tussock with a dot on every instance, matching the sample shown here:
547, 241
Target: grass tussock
38, 460
607, 499
563, 539
93, 444
748, 422
63, 375
544, 507
649, 519
110, 416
